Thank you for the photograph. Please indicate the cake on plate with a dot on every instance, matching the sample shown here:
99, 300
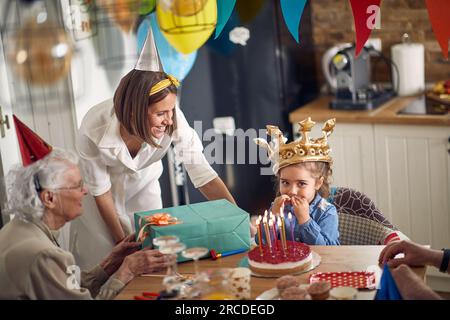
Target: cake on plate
274, 261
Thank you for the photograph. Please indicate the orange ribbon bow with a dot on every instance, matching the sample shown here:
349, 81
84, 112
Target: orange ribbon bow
157, 219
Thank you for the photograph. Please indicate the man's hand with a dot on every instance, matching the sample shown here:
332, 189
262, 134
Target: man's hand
414, 255
411, 287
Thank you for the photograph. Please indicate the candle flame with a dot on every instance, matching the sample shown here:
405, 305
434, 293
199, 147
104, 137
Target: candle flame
279, 223
257, 222
265, 220
271, 222
289, 216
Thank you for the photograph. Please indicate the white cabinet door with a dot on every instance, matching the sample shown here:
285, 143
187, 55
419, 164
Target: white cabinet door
413, 180
352, 149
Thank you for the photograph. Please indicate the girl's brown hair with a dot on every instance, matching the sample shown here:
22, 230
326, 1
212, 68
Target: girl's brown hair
318, 170
132, 100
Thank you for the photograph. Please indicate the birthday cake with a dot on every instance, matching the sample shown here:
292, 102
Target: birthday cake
275, 261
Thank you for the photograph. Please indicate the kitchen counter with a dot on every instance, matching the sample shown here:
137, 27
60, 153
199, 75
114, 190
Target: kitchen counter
319, 111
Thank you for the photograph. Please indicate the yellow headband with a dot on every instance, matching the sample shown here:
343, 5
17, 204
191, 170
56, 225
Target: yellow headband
164, 84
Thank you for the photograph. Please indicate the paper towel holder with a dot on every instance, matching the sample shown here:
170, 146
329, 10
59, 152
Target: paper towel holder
405, 38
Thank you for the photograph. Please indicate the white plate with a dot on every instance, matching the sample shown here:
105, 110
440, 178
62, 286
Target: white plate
316, 259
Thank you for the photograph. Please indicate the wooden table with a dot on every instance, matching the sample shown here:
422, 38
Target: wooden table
333, 258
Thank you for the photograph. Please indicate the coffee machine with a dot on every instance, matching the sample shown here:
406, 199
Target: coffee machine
350, 78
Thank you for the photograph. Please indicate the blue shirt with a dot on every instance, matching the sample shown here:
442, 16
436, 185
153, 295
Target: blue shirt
321, 229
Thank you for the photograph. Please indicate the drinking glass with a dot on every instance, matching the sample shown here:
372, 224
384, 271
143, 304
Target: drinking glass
172, 281
195, 254
165, 240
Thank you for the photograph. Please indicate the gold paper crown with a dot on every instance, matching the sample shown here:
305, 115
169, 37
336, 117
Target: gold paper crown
302, 150
164, 84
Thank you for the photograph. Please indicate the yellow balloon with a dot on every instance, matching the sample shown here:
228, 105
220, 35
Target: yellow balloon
187, 34
187, 7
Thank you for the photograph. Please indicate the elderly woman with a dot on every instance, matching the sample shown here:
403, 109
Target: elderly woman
43, 197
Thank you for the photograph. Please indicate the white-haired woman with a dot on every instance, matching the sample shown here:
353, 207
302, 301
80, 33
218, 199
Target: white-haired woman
43, 197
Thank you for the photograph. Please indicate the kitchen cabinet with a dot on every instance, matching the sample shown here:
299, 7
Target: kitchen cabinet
405, 169
413, 180
353, 155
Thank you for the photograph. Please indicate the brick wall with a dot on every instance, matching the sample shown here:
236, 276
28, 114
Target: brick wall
332, 23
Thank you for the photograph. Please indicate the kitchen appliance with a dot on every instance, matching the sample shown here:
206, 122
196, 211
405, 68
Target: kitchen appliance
350, 78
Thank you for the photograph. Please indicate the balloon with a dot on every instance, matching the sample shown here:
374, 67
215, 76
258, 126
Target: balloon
184, 7
187, 34
123, 12
146, 7
40, 52
174, 63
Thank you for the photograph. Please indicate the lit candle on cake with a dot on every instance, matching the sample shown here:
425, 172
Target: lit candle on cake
266, 229
258, 222
283, 228
272, 229
283, 241
291, 224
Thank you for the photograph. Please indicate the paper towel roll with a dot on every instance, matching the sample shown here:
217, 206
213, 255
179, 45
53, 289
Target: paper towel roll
409, 58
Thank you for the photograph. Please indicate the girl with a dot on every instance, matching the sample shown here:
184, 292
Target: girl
302, 190
303, 170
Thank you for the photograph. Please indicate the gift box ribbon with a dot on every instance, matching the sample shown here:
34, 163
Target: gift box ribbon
157, 219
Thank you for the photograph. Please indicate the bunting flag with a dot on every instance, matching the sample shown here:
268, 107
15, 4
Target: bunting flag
439, 13
365, 14
292, 13
224, 10
32, 147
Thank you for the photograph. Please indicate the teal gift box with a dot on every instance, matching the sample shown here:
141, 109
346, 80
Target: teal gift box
218, 225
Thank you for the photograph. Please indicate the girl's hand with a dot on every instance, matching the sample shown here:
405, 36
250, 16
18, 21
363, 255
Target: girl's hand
279, 202
301, 209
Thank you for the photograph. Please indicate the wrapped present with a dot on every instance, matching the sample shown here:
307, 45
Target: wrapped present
217, 225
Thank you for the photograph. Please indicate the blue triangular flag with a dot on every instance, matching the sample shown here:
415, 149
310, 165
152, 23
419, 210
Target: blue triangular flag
388, 288
292, 13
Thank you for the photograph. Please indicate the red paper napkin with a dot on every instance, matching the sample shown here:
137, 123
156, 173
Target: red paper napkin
355, 279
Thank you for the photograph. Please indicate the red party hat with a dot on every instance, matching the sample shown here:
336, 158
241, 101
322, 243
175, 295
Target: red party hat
32, 147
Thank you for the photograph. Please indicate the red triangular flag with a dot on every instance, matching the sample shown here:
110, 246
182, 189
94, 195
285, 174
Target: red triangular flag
364, 16
439, 13
32, 147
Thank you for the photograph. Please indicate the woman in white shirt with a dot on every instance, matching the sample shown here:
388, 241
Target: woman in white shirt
121, 143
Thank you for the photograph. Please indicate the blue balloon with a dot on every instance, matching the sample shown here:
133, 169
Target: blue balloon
174, 63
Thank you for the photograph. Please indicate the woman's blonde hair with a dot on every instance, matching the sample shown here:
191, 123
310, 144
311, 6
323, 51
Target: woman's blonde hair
132, 100
318, 170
